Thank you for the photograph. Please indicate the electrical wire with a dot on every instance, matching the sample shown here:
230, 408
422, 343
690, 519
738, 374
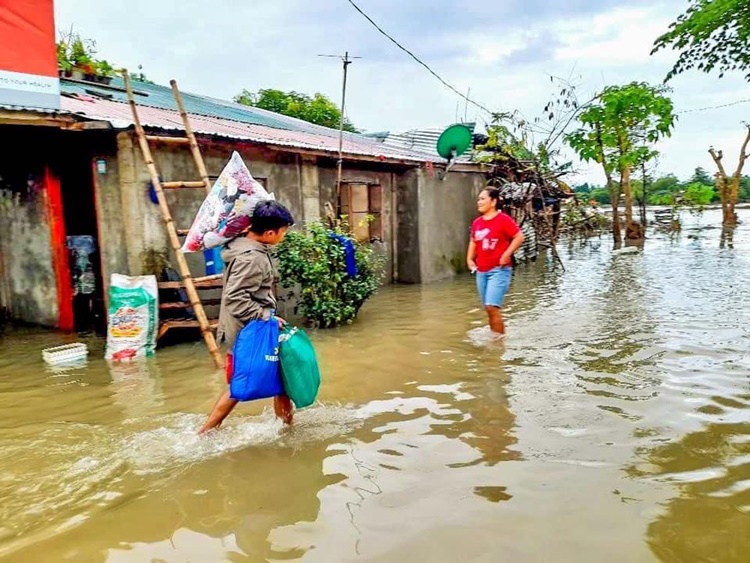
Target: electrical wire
418, 60
475, 103
730, 104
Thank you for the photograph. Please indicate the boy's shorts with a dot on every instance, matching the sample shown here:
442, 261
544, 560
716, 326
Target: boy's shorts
493, 286
229, 368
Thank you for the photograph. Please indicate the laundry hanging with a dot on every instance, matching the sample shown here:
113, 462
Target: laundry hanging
351, 260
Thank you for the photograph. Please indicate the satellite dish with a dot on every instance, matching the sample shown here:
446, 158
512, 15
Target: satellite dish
454, 141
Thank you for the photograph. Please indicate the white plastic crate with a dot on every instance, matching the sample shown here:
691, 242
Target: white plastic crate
65, 354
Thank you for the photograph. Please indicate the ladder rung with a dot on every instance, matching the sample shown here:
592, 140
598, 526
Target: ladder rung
178, 185
186, 305
205, 282
208, 282
213, 323
168, 140
182, 232
212, 277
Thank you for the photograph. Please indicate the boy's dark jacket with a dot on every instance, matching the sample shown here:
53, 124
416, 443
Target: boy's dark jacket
249, 277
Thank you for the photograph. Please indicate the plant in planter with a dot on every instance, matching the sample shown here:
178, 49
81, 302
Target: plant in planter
76, 58
316, 261
103, 72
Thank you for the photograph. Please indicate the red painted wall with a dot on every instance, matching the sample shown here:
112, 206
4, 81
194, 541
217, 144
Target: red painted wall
27, 37
60, 260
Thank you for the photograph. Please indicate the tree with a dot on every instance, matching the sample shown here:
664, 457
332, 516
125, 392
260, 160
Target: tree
728, 185
602, 196
698, 195
668, 183
318, 109
711, 34
745, 189
583, 191
618, 130
701, 176
642, 192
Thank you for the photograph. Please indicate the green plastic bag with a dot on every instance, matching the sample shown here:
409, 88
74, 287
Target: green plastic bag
299, 366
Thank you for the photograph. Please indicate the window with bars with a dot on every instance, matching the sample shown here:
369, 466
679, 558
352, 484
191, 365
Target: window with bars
362, 204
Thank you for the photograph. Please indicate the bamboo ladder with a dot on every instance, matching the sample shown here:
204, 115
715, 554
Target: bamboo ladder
188, 282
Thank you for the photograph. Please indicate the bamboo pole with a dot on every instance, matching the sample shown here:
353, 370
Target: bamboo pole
174, 240
194, 148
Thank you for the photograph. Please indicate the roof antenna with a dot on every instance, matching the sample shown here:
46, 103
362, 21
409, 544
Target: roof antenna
346, 60
466, 107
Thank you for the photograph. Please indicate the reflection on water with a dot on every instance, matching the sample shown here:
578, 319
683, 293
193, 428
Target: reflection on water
613, 422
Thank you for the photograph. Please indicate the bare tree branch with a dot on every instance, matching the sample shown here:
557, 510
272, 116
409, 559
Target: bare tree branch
743, 154
717, 159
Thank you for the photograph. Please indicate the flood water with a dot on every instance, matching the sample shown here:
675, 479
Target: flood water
612, 424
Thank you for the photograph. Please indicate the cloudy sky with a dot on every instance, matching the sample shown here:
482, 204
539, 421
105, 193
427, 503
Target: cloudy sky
504, 51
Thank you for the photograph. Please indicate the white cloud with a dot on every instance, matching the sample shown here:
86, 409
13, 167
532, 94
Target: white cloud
218, 48
623, 36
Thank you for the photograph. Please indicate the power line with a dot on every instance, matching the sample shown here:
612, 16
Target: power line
477, 104
730, 104
417, 59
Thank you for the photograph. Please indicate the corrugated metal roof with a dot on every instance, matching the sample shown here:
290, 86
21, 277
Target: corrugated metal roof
156, 96
422, 140
119, 115
210, 116
28, 108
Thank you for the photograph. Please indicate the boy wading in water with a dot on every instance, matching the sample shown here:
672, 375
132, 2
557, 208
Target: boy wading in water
495, 236
249, 279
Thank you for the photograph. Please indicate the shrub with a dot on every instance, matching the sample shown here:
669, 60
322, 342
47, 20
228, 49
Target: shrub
317, 262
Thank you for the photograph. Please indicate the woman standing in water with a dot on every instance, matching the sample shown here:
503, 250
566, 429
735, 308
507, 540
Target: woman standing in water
495, 236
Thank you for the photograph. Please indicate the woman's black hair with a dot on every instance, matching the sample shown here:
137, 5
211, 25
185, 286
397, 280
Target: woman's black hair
270, 216
494, 193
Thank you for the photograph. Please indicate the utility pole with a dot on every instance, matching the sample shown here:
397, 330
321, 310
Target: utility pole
346, 60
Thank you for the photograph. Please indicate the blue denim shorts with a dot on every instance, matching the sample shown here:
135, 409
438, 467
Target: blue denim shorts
493, 285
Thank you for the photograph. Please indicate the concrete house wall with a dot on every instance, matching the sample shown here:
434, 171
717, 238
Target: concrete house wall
303, 183
27, 277
434, 216
425, 219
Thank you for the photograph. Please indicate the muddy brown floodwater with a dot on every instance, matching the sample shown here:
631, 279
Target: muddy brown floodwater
613, 424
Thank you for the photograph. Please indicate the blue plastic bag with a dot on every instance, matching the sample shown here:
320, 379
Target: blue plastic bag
255, 373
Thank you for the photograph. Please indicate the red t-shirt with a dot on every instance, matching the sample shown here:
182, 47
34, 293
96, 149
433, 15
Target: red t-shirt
492, 239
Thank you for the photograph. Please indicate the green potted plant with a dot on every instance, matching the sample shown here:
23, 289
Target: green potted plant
313, 263
104, 72
64, 65
76, 59
82, 57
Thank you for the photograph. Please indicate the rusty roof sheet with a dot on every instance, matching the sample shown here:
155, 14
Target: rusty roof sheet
221, 118
158, 96
118, 114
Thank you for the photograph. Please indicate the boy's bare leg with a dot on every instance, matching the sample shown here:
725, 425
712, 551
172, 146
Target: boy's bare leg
221, 410
283, 408
496, 320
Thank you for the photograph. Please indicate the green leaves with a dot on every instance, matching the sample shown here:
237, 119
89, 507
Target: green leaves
619, 128
699, 195
317, 263
710, 35
318, 109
